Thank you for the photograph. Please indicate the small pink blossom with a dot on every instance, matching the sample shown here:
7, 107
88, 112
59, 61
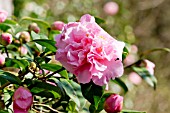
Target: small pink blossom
2, 60
149, 66
22, 100
3, 15
89, 52
57, 25
5, 39
113, 104
135, 78
111, 8
24, 37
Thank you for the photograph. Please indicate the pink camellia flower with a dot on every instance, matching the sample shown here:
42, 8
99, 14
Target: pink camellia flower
111, 8
89, 52
22, 100
2, 60
57, 25
113, 104
5, 39
3, 15
149, 66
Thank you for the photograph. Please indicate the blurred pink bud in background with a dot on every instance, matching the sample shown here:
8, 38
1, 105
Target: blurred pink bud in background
111, 8
23, 50
5, 39
135, 78
57, 25
2, 60
113, 104
132, 56
22, 100
3, 15
149, 66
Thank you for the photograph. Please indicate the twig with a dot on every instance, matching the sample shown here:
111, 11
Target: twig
48, 107
6, 51
55, 72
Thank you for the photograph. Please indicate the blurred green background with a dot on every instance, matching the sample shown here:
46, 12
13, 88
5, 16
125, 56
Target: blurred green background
145, 23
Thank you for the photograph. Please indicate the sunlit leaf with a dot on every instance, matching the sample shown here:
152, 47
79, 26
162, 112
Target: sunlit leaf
47, 43
10, 77
51, 67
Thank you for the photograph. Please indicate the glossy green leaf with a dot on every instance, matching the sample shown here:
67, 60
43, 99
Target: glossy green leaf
146, 75
99, 20
35, 35
121, 84
132, 111
4, 111
47, 43
22, 64
90, 90
39, 21
70, 91
43, 89
64, 74
10, 77
51, 67
125, 53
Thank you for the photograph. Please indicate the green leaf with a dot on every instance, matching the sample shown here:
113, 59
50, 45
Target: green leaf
132, 111
10, 77
146, 75
64, 74
121, 84
7, 25
51, 67
12, 22
43, 89
90, 90
22, 64
99, 20
47, 43
39, 21
125, 53
4, 111
35, 35
72, 91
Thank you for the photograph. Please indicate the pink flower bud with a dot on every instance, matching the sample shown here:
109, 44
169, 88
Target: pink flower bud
57, 25
113, 104
24, 37
22, 100
2, 60
135, 78
34, 27
23, 50
111, 8
149, 66
3, 15
5, 39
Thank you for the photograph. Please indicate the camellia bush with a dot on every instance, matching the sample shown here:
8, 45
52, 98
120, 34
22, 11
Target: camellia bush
66, 67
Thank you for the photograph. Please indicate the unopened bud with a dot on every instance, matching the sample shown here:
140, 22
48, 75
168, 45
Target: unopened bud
57, 25
111, 8
34, 27
2, 60
113, 104
5, 39
23, 50
24, 37
3, 15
